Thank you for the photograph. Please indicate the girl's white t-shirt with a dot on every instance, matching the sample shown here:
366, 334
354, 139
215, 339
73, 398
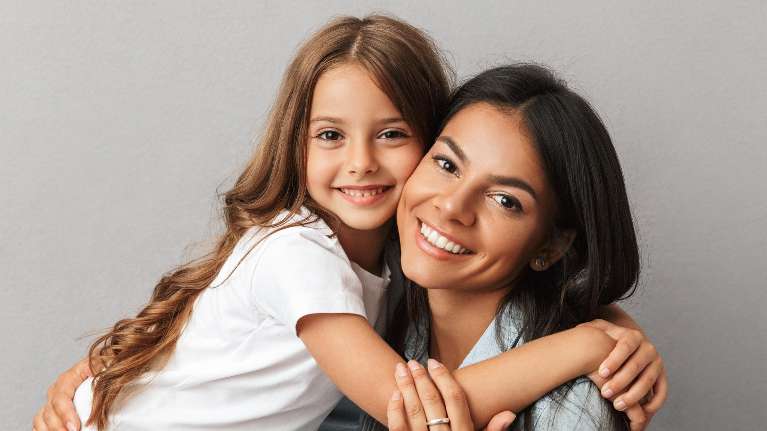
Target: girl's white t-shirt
238, 364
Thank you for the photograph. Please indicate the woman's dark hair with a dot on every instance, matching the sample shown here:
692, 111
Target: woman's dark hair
581, 165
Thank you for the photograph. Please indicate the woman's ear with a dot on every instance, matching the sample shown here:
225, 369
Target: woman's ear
553, 250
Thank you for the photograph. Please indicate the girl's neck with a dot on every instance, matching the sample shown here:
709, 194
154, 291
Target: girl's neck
364, 247
458, 320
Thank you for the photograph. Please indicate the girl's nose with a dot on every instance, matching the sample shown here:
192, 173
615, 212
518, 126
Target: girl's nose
361, 159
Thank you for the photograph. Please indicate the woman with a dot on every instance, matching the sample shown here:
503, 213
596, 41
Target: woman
525, 176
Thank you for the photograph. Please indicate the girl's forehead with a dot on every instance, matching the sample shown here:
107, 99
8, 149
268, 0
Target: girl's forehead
349, 90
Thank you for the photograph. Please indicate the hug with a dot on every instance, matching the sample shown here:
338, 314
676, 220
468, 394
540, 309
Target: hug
399, 252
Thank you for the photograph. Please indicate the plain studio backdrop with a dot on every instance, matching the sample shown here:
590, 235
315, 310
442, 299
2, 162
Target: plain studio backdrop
119, 121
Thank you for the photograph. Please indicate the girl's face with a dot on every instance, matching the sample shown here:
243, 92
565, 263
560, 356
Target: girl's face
477, 209
360, 150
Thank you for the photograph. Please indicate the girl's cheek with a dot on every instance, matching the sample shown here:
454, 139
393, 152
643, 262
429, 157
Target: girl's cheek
412, 156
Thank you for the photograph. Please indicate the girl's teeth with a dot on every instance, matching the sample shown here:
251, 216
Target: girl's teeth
362, 193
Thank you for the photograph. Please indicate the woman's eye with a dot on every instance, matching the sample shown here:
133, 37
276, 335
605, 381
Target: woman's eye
508, 202
329, 135
446, 165
392, 134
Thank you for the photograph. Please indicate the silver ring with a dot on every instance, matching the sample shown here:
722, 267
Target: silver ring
439, 421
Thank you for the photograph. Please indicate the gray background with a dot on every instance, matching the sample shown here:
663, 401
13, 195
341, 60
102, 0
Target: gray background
120, 120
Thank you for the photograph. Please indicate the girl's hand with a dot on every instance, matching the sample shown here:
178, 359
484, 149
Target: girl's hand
422, 396
632, 373
58, 413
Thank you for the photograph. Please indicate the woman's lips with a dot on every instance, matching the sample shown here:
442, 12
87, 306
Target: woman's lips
435, 244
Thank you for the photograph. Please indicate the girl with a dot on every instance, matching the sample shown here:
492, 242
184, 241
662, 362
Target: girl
233, 341
523, 177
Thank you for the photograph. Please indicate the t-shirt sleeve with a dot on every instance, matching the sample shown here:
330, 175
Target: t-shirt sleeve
300, 273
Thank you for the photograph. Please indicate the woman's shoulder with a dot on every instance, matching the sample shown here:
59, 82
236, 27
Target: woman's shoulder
576, 405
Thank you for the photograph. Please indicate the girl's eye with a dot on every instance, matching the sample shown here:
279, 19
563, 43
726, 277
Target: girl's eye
445, 164
392, 134
329, 135
507, 202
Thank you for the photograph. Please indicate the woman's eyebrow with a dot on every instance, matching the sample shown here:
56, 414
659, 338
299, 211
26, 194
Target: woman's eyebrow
514, 182
454, 147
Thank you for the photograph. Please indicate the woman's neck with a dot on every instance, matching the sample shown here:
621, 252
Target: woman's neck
458, 320
364, 247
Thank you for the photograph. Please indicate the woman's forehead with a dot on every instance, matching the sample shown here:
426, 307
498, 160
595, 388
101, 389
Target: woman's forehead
491, 139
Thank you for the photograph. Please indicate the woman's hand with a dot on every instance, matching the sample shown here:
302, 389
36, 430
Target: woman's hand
632, 376
58, 413
424, 396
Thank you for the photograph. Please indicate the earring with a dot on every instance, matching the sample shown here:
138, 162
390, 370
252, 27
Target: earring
540, 262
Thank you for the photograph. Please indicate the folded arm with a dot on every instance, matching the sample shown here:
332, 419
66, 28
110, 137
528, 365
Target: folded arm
359, 362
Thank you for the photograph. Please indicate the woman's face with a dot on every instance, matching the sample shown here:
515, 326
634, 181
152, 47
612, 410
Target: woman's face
477, 209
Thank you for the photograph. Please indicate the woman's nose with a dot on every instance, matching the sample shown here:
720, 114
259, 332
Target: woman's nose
455, 205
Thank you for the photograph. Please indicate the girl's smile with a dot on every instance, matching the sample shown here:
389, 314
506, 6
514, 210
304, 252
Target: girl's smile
364, 195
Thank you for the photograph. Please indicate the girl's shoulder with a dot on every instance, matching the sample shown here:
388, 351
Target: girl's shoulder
292, 233
290, 238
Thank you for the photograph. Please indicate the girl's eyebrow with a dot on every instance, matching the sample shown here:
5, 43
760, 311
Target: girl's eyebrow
391, 120
335, 120
327, 119
497, 179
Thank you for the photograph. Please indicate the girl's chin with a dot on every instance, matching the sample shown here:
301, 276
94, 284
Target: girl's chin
367, 222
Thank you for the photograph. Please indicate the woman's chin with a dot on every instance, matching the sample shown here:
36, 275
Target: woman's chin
425, 278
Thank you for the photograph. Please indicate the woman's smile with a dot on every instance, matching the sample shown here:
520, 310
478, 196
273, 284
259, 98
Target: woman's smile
446, 246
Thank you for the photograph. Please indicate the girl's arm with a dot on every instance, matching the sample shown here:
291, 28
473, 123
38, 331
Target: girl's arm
359, 362
647, 375
615, 315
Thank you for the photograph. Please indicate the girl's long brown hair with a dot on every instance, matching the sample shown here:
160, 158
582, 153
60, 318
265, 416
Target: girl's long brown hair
406, 65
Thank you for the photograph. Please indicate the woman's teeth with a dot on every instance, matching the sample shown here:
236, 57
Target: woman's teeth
440, 241
362, 193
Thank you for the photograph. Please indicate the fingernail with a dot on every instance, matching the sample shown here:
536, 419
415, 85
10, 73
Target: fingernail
401, 370
396, 396
620, 405
414, 365
71, 426
607, 392
604, 371
433, 364
507, 424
